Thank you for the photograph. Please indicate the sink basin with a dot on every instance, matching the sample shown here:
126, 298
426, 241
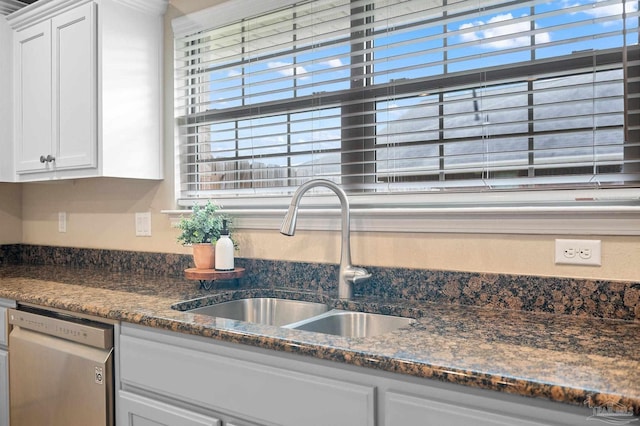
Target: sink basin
264, 310
302, 315
353, 324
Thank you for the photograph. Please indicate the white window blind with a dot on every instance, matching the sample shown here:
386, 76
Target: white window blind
384, 96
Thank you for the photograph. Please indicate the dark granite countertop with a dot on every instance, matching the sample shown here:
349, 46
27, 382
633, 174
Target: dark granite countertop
563, 358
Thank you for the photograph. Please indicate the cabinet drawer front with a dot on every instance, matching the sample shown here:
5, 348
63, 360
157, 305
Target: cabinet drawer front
407, 411
248, 390
136, 410
410, 410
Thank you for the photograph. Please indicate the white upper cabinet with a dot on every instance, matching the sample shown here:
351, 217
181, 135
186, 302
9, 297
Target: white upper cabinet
74, 78
87, 89
6, 107
33, 97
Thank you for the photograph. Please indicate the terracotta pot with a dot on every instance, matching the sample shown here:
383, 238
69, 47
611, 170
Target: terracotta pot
204, 255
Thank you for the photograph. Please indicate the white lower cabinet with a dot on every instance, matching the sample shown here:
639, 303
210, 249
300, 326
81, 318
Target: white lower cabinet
408, 410
136, 410
4, 361
238, 384
189, 377
438, 404
4, 388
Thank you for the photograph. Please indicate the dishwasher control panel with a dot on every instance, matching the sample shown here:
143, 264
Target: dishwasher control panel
74, 329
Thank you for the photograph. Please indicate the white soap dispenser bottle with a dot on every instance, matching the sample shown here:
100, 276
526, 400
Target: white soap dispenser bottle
224, 250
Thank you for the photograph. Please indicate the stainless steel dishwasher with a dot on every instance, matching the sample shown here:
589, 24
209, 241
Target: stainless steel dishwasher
60, 370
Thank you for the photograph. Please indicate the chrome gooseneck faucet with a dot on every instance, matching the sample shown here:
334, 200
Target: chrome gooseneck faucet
349, 274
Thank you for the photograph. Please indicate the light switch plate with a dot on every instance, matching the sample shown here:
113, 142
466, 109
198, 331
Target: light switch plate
143, 224
62, 222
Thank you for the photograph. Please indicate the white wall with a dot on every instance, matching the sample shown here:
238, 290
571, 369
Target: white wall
101, 215
10, 213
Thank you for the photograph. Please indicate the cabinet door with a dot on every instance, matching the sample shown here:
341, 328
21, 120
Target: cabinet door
74, 65
32, 77
136, 410
4, 389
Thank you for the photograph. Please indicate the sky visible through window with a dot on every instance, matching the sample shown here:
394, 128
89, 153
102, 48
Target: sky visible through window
467, 43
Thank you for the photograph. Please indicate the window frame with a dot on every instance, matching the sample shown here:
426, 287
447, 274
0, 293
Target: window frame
593, 211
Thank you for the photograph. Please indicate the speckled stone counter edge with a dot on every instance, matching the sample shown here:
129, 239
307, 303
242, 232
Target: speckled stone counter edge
595, 298
569, 358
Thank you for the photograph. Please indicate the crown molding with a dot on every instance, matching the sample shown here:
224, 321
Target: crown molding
43, 9
151, 7
10, 6
36, 12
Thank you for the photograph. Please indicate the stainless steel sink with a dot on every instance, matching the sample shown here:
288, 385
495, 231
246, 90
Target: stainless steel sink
264, 310
307, 316
352, 324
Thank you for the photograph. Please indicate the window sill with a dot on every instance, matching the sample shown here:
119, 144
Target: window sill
561, 212
567, 220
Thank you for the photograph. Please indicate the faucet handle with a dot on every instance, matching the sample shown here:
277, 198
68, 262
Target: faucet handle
356, 275
349, 276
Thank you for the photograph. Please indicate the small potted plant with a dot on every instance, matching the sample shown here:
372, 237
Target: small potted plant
201, 230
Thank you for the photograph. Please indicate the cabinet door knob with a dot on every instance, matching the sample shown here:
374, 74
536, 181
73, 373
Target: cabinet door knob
43, 158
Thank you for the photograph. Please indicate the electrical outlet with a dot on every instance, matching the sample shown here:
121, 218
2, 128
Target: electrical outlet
143, 224
62, 222
579, 252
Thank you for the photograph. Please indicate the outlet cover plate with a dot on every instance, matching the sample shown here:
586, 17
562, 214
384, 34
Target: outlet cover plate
579, 252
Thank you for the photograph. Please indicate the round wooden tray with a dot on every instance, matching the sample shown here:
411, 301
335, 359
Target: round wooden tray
212, 274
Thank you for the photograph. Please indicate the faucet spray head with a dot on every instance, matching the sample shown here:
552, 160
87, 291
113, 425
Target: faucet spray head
288, 226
